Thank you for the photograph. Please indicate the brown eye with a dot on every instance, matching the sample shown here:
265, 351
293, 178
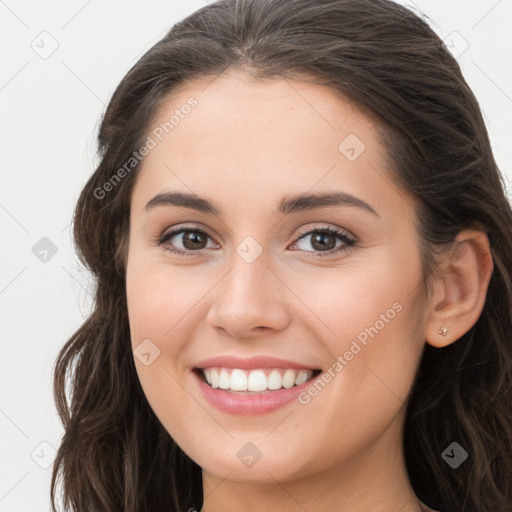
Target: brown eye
194, 240
324, 241
184, 240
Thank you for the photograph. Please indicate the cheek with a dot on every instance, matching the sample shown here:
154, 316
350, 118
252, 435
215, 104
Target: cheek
157, 311
159, 299
371, 321
362, 300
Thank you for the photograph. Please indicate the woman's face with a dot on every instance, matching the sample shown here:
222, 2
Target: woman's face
259, 294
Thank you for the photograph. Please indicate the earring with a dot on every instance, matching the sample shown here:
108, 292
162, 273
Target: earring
443, 331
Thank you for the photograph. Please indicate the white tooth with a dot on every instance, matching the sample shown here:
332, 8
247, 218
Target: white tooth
302, 376
274, 380
289, 378
257, 381
238, 380
214, 374
224, 380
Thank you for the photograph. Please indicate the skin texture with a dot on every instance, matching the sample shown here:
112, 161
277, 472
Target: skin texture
244, 146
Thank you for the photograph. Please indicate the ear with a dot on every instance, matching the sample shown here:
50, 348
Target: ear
460, 288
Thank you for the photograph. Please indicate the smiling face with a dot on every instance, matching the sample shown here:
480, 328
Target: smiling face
266, 280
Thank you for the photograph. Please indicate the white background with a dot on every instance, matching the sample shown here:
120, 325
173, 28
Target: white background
50, 113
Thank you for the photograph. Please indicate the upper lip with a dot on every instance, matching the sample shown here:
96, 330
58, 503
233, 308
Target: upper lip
252, 363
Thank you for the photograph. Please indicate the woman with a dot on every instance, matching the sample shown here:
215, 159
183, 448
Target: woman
303, 256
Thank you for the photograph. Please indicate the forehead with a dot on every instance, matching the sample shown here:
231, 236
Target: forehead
240, 101
240, 136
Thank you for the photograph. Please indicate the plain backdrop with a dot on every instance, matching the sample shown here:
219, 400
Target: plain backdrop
60, 64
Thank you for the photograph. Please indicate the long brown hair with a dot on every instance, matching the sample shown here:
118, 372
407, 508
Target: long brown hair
115, 455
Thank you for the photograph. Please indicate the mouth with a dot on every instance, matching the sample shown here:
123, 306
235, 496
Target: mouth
254, 381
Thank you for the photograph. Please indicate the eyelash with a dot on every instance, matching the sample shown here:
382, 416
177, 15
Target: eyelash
347, 241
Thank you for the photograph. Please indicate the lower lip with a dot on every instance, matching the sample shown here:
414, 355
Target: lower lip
260, 403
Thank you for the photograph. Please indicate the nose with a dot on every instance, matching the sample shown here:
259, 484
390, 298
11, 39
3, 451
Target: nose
250, 299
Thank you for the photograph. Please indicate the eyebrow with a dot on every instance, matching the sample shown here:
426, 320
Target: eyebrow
287, 205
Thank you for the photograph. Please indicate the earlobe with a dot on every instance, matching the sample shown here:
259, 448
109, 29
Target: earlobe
460, 288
